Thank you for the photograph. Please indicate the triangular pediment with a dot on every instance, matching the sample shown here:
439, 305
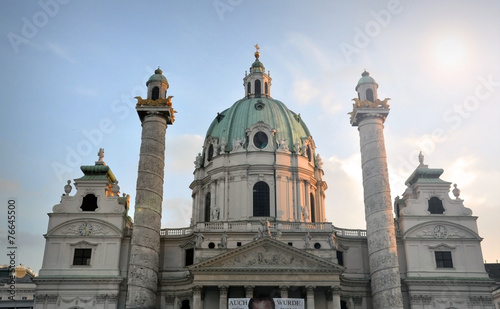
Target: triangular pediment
267, 254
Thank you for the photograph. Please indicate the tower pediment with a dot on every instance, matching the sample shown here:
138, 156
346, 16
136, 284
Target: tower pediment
267, 254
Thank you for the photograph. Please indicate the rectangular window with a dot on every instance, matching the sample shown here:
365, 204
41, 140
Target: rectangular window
443, 259
340, 258
189, 257
82, 256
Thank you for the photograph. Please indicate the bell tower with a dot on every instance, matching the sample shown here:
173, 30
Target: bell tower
155, 113
369, 114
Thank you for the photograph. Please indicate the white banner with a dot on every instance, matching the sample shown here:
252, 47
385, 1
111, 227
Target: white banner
279, 303
238, 303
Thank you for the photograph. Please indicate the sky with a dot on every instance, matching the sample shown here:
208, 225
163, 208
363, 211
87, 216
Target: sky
70, 71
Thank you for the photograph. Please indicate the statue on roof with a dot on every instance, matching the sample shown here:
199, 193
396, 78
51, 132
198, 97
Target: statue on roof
100, 154
421, 158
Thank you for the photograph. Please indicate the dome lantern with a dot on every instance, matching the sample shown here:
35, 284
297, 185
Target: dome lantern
367, 88
257, 84
157, 85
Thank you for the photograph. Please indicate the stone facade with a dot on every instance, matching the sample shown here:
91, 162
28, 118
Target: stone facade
258, 225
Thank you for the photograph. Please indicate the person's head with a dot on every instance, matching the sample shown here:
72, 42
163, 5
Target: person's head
261, 303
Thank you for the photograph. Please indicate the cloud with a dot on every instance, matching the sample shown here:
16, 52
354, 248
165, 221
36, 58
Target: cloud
60, 52
181, 152
304, 91
9, 187
85, 91
344, 197
176, 212
309, 49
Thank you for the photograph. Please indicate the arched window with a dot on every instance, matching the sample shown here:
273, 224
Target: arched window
185, 304
249, 88
210, 154
155, 94
258, 90
435, 206
313, 212
89, 203
369, 95
266, 88
309, 154
208, 199
261, 200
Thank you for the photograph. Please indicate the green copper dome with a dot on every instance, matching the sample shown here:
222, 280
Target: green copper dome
258, 64
157, 77
232, 122
365, 79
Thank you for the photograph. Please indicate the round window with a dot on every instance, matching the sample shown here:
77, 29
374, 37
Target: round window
260, 140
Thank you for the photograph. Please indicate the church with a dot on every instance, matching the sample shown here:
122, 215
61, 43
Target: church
258, 227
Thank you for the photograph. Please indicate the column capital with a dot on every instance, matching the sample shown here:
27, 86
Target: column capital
376, 110
284, 291
223, 289
310, 290
197, 290
336, 290
249, 291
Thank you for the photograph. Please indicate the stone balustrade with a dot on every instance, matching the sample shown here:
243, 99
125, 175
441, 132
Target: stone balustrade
247, 226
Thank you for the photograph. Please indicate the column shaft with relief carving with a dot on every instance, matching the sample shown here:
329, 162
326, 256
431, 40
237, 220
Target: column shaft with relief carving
382, 250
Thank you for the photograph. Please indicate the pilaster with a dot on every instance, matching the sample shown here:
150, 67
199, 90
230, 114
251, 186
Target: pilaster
223, 297
310, 296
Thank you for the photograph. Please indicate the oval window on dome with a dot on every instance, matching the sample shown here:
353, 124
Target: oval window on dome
260, 140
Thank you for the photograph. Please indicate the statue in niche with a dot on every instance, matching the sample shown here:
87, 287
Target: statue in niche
215, 213
307, 240
199, 240
305, 213
332, 241
223, 240
198, 161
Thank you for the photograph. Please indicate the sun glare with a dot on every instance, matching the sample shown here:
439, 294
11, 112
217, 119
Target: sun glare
450, 52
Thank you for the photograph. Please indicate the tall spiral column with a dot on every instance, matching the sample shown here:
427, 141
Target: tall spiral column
143, 270
382, 250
